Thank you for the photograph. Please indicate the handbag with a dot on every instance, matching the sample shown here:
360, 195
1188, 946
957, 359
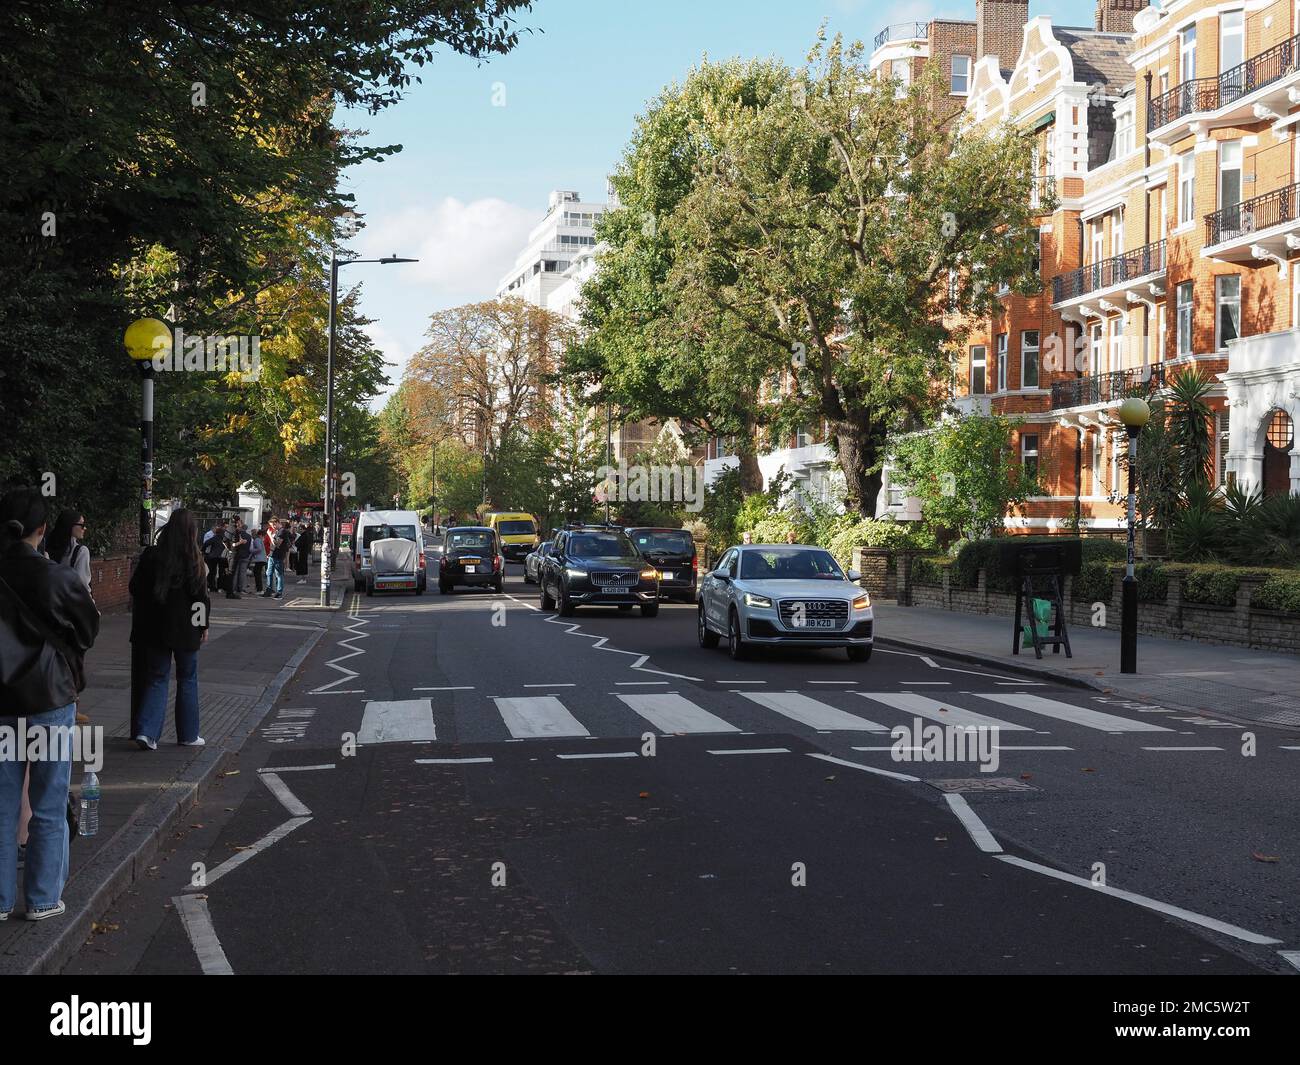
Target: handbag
32, 620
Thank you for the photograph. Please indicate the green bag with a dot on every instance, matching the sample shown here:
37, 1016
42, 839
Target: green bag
1042, 615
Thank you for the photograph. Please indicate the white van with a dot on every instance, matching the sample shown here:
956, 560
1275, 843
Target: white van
374, 525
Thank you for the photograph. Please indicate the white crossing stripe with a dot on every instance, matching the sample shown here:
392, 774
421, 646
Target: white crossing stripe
402, 721
536, 717
812, 713
944, 712
1075, 715
674, 713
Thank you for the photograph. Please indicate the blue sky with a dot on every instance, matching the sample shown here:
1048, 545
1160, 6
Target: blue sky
473, 177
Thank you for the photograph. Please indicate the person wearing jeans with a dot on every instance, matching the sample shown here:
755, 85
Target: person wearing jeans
169, 620
46, 865
47, 623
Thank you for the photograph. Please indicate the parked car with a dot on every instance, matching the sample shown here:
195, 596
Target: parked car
471, 556
597, 565
533, 561
372, 525
517, 532
784, 595
672, 553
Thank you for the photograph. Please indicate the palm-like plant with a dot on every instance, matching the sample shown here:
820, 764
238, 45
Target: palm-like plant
1187, 418
1270, 534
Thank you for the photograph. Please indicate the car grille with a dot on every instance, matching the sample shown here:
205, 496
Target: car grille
613, 580
835, 609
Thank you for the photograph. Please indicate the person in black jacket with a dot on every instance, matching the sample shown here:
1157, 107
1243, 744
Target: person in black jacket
169, 620
303, 547
47, 624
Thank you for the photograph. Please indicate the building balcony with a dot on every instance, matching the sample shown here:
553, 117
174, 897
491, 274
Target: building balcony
1132, 277
1264, 227
1263, 352
1107, 389
901, 31
966, 406
1263, 87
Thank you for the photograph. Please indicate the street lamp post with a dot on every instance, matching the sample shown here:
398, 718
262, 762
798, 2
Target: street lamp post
609, 460
1134, 413
327, 519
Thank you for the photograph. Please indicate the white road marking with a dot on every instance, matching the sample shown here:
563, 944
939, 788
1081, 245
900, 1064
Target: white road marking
555, 685
753, 750
979, 833
925, 683
399, 721
1182, 748
197, 921
1211, 923
943, 712
1076, 715
1021, 683
451, 761
864, 768
673, 713
333, 663
538, 717
740, 682
235, 861
288, 799
1027, 747
1292, 956
449, 688
604, 754
810, 712
841, 682
294, 768
635, 683
1289, 748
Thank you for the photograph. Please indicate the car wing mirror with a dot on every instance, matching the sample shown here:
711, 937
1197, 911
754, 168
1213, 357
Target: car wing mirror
854, 576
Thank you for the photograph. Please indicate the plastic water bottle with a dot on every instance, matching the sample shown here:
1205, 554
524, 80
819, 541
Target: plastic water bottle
89, 825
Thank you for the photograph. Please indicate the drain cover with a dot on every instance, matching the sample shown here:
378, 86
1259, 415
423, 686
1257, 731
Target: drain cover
961, 784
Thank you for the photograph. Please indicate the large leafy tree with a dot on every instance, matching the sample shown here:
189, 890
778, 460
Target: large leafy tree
830, 220
646, 350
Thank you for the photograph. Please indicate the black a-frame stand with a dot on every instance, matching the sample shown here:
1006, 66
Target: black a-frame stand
1048, 562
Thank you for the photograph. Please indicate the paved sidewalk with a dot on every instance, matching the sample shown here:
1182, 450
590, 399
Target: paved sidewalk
1254, 687
253, 649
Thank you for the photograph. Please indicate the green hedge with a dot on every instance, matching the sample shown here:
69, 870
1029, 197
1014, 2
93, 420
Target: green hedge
1211, 587
1093, 584
928, 570
984, 554
1279, 592
1153, 582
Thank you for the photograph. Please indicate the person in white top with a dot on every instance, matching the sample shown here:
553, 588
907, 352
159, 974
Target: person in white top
63, 545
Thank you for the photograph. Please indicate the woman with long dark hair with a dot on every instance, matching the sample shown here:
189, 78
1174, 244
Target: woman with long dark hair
47, 624
63, 543
169, 620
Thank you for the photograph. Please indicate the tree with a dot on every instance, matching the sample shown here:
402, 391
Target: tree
965, 474
830, 220
645, 350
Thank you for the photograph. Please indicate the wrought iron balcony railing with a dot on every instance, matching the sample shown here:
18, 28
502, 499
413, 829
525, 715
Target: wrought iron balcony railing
1209, 94
1108, 387
1250, 216
902, 31
1148, 259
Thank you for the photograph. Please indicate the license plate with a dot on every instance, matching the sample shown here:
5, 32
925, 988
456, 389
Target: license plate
397, 584
817, 623
471, 569
666, 575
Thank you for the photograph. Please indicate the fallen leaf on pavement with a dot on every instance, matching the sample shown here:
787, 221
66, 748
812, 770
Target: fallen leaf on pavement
644, 795
1026, 776
1090, 770
1263, 857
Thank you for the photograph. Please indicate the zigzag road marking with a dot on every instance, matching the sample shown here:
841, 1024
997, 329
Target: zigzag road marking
333, 663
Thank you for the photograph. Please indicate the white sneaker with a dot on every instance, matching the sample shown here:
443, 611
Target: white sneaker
48, 911
198, 741
4, 915
146, 744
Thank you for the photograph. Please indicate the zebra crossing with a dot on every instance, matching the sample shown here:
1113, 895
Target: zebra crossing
472, 718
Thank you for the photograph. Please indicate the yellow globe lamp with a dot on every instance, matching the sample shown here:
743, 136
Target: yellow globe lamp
147, 337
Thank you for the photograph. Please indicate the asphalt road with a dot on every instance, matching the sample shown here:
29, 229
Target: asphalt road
466, 784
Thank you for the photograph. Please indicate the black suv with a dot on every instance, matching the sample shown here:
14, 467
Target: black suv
672, 553
597, 565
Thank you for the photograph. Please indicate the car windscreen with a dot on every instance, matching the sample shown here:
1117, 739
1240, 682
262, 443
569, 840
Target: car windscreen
600, 545
516, 528
789, 564
388, 532
664, 541
469, 541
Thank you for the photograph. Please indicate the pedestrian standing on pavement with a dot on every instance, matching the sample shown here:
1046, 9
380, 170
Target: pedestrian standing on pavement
257, 557
747, 537
279, 556
303, 547
169, 619
241, 544
293, 551
214, 554
47, 624
790, 537
64, 546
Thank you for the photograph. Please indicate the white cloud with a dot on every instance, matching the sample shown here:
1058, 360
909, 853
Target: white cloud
463, 248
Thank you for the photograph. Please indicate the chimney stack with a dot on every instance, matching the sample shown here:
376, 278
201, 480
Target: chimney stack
1116, 16
1000, 29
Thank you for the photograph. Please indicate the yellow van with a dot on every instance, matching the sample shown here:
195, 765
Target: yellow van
516, 531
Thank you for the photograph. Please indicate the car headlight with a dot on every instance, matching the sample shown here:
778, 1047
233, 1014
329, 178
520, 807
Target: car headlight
649, 574
575, 572
757, 600
862, 602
